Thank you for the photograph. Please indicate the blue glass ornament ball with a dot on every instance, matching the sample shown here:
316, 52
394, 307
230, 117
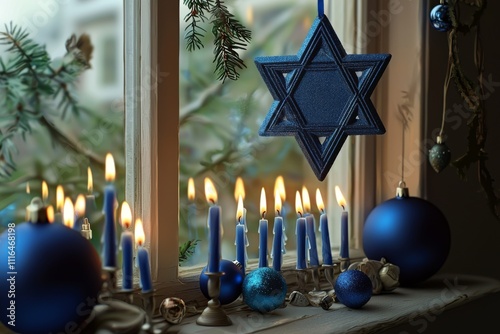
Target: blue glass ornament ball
56, 280
264, 289
411, 233
230, 283
353, 288
440, 19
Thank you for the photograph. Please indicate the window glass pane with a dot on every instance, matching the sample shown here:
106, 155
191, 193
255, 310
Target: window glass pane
63, 142
219, 125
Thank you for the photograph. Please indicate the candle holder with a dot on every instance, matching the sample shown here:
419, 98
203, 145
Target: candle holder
344, 263
109, 278
301, 280
213, 314
152, 325
329, 271
315, 278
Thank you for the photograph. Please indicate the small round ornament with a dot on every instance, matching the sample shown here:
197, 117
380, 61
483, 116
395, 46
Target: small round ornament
440, 19
230, 283
439, 155
409, 232
173, 310
53, 276
264, 289
353, 288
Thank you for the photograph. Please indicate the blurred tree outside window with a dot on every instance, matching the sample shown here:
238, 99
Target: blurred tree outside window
219, 125
67, 138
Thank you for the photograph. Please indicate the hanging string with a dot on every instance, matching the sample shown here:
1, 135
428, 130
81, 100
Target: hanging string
447, 80
321, 8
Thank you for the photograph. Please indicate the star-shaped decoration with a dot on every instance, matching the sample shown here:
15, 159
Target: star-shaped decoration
322, 95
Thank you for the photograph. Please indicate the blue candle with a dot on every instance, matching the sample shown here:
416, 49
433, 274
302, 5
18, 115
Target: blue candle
214, 228
325, 233
263, 226
240, 239
344, 227
278, 239
109, 234
310, 229
126, 245
279, 188
300, 232
143, 258
323, 227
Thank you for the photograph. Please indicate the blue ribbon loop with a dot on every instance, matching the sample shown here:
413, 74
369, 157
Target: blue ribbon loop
321, 8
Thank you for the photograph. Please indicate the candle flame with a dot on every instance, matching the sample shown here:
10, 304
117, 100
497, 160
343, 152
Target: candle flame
80, 206
68, 213
277, 203
239, 189
210, 192
306, 200
50, 214
110, 168
90, 180
263, 204
28, 190
191, 191
279, 187
298, 204
59, 198
319, 201
239, 209
140, 237
45, 191
340, 197
126, 215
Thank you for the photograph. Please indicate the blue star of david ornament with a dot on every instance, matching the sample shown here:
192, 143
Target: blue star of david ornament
322, 95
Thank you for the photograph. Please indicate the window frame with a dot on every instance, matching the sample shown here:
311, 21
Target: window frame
152, 128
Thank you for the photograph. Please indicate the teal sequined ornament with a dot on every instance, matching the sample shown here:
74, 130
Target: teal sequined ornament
264, 289
439, 155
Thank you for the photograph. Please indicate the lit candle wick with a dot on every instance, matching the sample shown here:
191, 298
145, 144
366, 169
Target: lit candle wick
279, 213
263, 214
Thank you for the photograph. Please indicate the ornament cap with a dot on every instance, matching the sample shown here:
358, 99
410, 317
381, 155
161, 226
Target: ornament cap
402, 190
439, 140
32, 210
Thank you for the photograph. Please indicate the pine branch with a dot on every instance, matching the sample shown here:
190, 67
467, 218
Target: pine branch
229, 35
186, 250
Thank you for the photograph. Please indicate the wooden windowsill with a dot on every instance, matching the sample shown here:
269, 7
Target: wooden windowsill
382, 312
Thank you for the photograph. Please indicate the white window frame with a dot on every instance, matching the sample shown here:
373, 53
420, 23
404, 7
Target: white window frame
152, 128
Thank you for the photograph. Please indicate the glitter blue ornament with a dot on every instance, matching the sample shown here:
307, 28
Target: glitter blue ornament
353, 288
409, 232
264, 289
322, 92
230, 284
440, 19
57, 278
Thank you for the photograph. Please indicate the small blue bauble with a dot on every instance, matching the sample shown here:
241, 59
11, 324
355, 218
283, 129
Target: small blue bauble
440, 19
411, 233
353, 288
230, 283
56, 282
264, 289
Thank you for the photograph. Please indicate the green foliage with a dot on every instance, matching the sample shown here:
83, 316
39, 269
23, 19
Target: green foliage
230, 36
31, 85
186, 250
